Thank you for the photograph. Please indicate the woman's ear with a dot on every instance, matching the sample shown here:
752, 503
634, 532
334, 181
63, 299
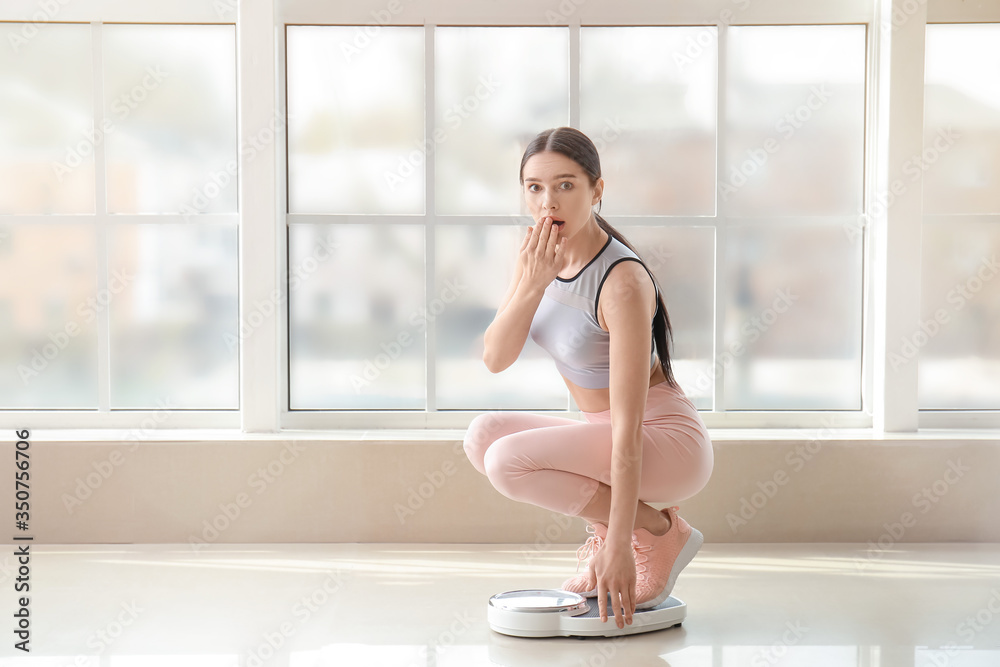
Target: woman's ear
598, 191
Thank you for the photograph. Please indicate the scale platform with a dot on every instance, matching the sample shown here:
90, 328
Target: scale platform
558, 613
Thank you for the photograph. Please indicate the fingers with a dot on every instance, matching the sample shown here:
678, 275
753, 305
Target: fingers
535, 236
543, 233
619, 601
631, 606
602, 602
553, 237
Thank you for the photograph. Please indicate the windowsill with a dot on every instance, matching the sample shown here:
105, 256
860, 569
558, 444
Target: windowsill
193, 436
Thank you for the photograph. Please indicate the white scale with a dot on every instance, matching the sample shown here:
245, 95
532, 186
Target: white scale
558, 613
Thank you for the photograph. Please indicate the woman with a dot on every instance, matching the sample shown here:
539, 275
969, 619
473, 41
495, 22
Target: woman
583, 294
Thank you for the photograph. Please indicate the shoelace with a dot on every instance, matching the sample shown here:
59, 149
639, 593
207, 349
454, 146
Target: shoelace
590, 547
640, 550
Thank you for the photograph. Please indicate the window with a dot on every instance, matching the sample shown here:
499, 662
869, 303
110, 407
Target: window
119, 291
959, 338
743, 149
763, 287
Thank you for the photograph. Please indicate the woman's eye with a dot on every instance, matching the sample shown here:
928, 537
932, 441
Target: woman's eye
567, 183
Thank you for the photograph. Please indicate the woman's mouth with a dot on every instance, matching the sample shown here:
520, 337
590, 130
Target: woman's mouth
557, 222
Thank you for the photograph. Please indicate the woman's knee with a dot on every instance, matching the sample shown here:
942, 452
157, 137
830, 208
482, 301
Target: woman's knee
496, 464
480, 435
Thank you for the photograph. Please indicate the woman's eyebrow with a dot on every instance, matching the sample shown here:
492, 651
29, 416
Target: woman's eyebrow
559, 176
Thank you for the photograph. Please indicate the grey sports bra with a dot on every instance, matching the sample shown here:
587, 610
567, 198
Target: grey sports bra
565, 324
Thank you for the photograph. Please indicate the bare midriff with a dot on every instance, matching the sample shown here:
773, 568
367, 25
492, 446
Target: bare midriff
599, 400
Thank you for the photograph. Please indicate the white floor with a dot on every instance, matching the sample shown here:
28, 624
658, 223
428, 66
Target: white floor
404, 605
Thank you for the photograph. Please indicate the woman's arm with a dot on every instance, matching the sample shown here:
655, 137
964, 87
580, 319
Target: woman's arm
538, 263
627, 303
505, 337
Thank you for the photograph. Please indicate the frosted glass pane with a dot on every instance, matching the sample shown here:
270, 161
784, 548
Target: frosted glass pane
792, 338
170, 117
358, 318
795, 120
651, 111
48, 316
474, 267
961, 159
495, 89
683, 261
356, 120
47, 119
958, 342
175, 326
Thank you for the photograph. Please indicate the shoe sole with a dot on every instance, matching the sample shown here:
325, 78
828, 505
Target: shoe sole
686, 555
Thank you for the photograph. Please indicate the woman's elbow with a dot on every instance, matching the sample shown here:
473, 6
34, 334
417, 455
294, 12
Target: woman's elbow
492, 365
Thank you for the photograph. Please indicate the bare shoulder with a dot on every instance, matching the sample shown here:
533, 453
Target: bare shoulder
627, 286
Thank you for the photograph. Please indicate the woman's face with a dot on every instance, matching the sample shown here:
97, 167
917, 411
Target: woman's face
557, 186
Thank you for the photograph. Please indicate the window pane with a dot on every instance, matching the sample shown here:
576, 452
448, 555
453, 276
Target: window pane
795, 120
961, 159
170, 118
174, 316
651, 111
959, 337
683, 261
357, 317
47, 122
474, 267
495, 89
48, 316
356, 120
793, 318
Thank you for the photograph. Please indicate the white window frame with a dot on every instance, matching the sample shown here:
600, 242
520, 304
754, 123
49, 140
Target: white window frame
97, 13
893, 133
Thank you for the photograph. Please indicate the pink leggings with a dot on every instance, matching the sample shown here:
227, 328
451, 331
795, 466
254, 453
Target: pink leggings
558, 463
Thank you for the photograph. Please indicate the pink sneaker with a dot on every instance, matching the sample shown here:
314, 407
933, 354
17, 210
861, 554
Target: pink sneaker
659, 559
585, 584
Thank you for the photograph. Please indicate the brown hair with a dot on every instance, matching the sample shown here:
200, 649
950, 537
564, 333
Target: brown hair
578, 147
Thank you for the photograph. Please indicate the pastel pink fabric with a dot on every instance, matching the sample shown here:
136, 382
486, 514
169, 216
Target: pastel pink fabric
558, 463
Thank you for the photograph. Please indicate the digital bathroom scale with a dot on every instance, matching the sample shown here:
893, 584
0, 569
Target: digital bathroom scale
558, 613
